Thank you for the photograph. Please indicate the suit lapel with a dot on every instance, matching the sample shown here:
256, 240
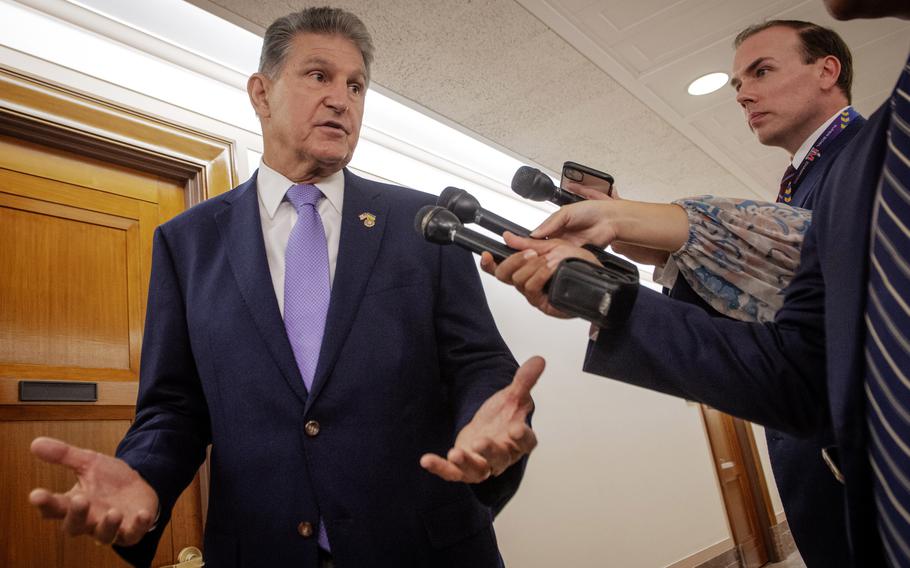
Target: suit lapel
807, 190
240, 227
853, 190
357, 251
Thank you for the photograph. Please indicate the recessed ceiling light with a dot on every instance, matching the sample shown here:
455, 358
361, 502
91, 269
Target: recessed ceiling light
708, 83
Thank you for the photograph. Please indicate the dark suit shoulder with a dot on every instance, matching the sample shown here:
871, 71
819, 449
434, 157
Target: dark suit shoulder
205, 210
811, 187
396, 193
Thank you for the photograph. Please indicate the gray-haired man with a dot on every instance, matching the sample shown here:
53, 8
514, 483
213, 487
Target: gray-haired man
299, 326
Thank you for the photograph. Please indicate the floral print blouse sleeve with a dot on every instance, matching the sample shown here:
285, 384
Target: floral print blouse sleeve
740, 254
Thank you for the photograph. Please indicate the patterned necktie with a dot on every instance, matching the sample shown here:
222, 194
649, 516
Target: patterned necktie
307, 289
786, 192
306, 281
888, 335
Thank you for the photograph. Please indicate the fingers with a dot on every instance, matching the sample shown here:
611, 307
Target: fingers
530, 277
527, 376
439, 466
51, 505
461, 466
586, 191
75, 522
132, 531
501, 455
525, 243
552, 225
509, 266
525, 440
487, 264
55, 451
106, 529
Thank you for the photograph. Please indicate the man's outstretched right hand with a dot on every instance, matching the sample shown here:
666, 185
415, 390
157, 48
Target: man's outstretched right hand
109, 502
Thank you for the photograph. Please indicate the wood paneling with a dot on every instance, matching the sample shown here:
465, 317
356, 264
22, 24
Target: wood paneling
64, 297
83, 185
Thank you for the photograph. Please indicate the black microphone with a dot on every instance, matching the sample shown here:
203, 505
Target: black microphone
468, 210
601, 294
439, 225
535, 185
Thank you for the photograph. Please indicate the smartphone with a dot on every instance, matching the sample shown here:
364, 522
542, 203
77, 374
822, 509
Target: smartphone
586, 176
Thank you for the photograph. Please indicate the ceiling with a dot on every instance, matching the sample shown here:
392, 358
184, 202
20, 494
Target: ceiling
595, 82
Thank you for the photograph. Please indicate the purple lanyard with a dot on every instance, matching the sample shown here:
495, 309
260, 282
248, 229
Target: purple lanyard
836, 127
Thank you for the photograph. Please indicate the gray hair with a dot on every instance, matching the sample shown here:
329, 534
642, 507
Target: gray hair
326, 21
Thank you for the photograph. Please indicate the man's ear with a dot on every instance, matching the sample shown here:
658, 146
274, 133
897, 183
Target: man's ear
829, 68
257, 87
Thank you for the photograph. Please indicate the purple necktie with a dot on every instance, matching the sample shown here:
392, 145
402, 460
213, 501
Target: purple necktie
307, 289
306, 281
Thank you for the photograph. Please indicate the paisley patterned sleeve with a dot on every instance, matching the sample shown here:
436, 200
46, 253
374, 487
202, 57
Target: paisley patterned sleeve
741, 253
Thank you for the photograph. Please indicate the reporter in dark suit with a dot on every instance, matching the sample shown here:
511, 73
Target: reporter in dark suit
835, 357
318, 421
793, 80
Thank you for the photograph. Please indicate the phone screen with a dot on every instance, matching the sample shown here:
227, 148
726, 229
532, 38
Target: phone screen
586, 176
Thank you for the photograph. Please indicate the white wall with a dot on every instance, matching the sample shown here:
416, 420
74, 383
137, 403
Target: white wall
622, 476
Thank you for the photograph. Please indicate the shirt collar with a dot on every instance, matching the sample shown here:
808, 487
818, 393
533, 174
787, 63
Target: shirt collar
272, 187
803, 151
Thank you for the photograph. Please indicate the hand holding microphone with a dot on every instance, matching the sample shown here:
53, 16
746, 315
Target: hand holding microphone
600, 293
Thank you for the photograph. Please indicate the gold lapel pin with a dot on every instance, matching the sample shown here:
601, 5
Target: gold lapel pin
369, 220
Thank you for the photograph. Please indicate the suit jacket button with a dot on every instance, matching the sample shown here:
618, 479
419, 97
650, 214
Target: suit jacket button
305, 529
311, 428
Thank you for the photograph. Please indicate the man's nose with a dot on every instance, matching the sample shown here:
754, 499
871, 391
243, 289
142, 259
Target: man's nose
337, 98
744, 96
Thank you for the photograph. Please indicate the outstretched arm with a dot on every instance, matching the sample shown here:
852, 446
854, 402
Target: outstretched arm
657, 226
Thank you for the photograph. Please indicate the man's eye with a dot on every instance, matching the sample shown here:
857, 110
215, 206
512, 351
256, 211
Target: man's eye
760, 72
356, 88
318, 76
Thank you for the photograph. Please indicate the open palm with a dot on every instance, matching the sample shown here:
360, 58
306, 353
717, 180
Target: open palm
110, 501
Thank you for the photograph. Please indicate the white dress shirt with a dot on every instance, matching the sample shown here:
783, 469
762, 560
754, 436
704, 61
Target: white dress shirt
278, 217
803, 151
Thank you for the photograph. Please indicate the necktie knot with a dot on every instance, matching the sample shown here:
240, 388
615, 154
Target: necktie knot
303, 194
786, 191
788, 176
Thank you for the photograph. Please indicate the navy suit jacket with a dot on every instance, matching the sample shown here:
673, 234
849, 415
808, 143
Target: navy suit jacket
410, 352
802, 374
812, 497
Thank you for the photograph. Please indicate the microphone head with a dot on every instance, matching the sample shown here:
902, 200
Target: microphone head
448, 195
533, 184
464, 205
436, 224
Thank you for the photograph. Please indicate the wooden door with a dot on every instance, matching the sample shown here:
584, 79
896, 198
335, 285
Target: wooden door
743, 505
83, 185
75, 252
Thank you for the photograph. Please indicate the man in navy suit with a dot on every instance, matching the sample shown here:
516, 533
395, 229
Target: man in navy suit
316, 459
793, 80
811, 371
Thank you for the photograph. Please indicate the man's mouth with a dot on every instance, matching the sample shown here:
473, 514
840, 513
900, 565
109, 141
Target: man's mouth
335, 125
755, 117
